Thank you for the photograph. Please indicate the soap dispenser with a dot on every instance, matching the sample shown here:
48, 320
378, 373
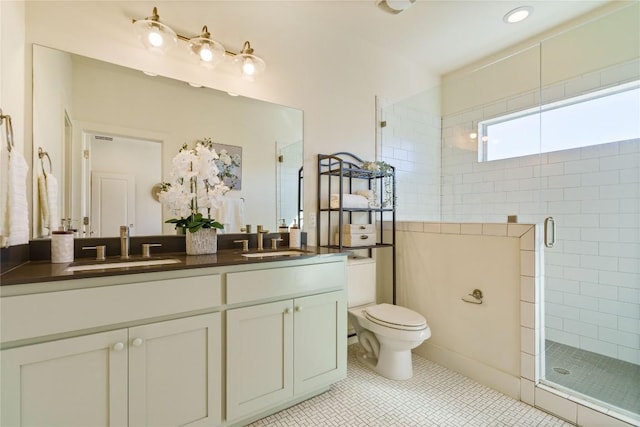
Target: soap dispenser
282, 228
294, 235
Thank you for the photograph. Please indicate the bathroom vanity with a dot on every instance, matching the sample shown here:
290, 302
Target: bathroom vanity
215, 344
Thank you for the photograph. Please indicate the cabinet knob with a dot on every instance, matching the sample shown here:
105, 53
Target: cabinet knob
137, 342
118, 346
298, 308
287, 311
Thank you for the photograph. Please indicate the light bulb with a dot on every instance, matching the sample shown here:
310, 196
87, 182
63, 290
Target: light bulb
155, 38
473, 135
206, 54
248, 67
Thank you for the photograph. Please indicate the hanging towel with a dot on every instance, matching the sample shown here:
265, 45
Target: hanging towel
230, 213
48, 198
14, 211
4, 197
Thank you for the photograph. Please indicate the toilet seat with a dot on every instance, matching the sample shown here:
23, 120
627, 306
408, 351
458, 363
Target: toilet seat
396, 317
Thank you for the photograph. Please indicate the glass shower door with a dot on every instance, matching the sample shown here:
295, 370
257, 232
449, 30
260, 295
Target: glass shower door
590, 169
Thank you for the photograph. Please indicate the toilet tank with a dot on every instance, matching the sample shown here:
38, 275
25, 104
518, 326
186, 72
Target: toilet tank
361, 281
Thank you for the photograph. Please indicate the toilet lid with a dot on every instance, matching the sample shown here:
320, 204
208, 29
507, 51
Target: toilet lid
396, 317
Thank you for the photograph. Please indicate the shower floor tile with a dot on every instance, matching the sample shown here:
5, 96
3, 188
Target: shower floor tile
435, 396
609, 380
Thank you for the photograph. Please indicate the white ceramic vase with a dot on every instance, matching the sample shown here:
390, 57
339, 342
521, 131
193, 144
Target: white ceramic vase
203, 241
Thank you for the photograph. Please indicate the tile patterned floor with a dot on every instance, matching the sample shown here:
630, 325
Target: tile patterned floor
435, 396
612, 381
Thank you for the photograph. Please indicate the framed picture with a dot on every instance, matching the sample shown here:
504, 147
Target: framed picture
230, 165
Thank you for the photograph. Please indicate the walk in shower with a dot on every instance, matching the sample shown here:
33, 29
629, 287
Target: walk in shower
546, 129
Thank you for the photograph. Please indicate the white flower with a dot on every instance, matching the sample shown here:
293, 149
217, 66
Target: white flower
195, 186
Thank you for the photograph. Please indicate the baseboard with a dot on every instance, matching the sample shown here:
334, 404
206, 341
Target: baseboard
487, 375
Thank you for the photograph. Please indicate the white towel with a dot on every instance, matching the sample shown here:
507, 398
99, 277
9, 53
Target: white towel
230, 213
14, 211
4, 197
349, 201
48, 198
369, 195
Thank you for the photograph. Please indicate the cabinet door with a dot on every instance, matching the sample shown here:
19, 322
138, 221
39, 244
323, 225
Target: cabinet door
175, 372
71, 382
320, 340
259, 357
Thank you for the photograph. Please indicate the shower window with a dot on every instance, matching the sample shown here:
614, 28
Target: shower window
600, 117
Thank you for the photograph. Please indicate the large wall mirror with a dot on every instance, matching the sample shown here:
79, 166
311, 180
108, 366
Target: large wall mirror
107, 135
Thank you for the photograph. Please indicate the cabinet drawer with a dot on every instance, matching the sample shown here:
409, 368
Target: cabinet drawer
277, 282
57, 312
367, 239
358, 228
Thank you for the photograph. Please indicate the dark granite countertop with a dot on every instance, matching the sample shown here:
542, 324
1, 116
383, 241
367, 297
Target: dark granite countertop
45, 271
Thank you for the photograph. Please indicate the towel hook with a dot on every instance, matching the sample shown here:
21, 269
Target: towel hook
41, 154
9, 129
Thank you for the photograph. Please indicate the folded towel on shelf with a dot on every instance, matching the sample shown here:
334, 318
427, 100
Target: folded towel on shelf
48, 200
348, 201
369, 195
230, 213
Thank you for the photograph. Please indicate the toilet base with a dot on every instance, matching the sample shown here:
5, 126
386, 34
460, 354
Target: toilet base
395, 365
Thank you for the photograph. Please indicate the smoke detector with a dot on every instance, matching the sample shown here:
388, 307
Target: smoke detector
395, 6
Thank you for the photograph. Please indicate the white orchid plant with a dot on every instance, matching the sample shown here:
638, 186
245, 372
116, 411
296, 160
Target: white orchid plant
195, 188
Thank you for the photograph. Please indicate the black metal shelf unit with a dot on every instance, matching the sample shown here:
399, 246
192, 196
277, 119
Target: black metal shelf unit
340, 173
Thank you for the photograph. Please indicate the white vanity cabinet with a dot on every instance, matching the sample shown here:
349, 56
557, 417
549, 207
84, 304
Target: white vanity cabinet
153, 373
153, 349
284, 350
78, 381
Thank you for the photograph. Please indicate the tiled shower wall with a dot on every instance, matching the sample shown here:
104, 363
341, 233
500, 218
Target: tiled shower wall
411, 143
592, 292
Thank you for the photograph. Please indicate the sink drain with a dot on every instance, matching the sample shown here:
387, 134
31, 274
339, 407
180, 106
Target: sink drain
562, 371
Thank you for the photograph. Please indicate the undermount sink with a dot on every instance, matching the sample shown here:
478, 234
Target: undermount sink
274, 254
103, 265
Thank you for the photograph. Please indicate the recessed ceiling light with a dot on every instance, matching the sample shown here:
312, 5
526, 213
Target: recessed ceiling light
196, 85
150, 74
518, 14
395, 6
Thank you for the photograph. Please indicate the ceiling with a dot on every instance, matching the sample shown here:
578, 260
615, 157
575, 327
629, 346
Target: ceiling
441, 35
446, 34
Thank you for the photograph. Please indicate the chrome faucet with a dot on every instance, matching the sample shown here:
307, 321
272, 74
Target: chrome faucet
261, 232
124, 241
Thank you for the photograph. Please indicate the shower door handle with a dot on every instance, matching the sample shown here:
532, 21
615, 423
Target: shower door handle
549, 232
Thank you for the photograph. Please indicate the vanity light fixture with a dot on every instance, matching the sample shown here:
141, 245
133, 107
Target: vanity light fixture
154, 35
158, 37
210, 52
518, 14
249, 64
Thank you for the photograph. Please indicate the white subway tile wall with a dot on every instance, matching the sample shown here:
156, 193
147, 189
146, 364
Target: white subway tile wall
411, 143
592, 295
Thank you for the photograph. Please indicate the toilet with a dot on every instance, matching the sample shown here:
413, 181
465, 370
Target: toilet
387, 333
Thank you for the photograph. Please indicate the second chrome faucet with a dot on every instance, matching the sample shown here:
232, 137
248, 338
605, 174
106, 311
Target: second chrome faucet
124, 241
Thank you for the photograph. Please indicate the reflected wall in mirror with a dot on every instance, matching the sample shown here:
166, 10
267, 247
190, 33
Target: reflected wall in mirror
87, 113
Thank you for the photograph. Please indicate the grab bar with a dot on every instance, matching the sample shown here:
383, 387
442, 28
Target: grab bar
549, 232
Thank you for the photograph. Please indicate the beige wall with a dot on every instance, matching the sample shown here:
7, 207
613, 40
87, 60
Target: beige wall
438, 265
334, 85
